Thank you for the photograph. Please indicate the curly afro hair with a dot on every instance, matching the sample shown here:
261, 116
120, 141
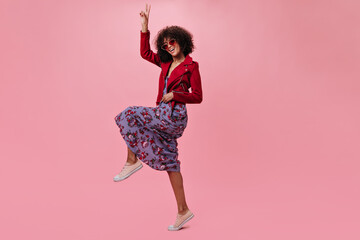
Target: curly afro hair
181, 35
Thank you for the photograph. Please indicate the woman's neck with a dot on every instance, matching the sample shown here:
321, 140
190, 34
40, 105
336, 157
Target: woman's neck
179, 58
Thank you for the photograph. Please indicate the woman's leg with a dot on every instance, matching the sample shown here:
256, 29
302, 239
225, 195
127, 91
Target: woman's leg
178, 187
131, 158
134, 122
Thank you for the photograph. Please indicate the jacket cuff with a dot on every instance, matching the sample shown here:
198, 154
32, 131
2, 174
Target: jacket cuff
175, 96
145, 33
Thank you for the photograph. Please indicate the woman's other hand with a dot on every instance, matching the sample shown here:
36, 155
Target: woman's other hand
144, 16
167, 97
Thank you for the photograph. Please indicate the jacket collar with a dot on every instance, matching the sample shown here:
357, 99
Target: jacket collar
188, 60
179, 70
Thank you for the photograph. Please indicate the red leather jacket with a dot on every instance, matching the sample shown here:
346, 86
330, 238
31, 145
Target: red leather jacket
184, 76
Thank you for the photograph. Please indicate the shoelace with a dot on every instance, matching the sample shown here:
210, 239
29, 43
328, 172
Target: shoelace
125, 166
178, 220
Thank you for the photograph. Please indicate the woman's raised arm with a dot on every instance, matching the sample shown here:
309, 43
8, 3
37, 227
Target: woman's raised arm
145, 50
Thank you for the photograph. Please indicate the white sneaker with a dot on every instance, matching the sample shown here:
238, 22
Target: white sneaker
181, 220
128, 170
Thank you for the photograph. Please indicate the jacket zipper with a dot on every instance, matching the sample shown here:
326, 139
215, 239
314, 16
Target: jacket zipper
174, 82
183, 86
177, 83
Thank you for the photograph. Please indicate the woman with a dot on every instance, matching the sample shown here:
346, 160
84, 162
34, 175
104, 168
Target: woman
151, 132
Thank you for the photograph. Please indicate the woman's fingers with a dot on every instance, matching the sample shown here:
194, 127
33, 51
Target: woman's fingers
147, 10
166, 98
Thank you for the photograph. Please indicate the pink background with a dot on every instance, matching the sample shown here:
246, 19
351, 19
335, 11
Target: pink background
272, 152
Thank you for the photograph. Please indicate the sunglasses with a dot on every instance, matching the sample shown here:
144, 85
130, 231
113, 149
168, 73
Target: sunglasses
165, 46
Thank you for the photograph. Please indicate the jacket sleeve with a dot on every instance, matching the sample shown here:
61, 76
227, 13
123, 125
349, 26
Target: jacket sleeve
145, 51
196, 91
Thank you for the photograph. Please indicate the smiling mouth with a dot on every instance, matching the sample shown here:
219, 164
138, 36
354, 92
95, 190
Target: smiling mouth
172, 50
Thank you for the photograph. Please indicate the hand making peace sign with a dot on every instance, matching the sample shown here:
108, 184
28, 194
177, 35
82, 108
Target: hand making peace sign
144, 16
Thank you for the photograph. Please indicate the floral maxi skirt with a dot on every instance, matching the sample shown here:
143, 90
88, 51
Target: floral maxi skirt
151, 133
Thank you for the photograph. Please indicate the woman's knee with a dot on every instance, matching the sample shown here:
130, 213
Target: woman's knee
121, 117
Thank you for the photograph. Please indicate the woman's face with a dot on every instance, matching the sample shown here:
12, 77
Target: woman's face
174, 49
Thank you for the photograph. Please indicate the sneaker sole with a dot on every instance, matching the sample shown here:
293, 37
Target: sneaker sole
180, 226
129, 174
